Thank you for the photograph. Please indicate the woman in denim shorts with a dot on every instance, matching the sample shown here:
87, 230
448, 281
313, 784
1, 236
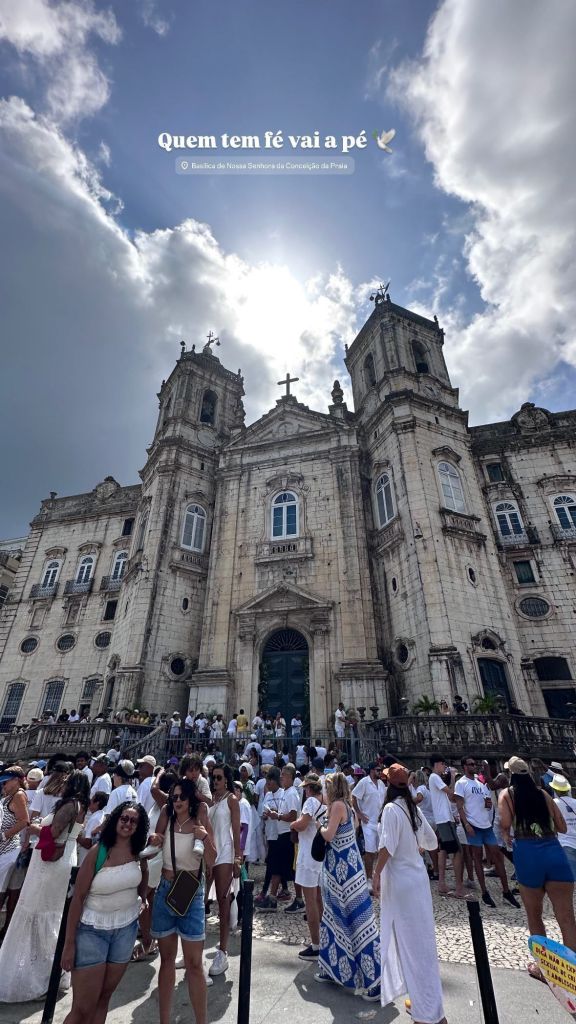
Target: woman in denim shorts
103, 919
186, 818
541, 865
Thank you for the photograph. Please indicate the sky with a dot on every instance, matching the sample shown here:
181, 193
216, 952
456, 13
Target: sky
109, 257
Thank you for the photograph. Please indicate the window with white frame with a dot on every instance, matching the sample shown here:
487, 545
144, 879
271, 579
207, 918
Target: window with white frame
85, 569
51, 574
53, 696
565, 509
285, 515
451, 484
194, 528
384, 499
119, 565
508, 519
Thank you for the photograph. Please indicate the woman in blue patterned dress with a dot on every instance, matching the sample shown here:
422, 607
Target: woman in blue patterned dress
349, 937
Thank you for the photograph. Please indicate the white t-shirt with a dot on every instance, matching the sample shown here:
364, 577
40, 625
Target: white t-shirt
119, 795
339, 719
259, 791
113, 754
89, 774
257, 723
567, 806
280, 727
245, 812
203, 786
253, 745
296, 725
144, 795
189, 723
268, 755
92, 821
370, 797
232, 727
201, 726
321, 752
426, 804
272, 802
301, 757
313, 807
290, 801
441, 805
43, 804
475, 793
103, 784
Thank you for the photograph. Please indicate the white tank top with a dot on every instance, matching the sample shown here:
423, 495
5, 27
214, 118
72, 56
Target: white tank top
186, 858
112, 899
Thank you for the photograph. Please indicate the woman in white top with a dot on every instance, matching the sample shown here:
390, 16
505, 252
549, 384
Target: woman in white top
103, 918
425, 805
308, 870
567, 807
225, 820
185, 820
28, 948
408, 951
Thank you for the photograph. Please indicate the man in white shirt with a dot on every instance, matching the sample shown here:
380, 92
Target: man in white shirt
321, 750
442, 797
281, 806
81, 762
200, 725
474, 802
296, 728
368, 800
257, 724
92, 822
114, 753
146, 766
123, 788
253, 745
73, 717
102, 781
232, 727
189, 722
268, 753
340, 721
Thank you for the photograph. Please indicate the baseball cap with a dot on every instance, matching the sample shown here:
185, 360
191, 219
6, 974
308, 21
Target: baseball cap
517, 766
101, 757
358, 771
41, 764
397, 775
125, 768
560, 784
174, 760
35, 775
557, 767
147, 759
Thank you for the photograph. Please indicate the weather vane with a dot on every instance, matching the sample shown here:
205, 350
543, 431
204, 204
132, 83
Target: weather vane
212, 340
381, 295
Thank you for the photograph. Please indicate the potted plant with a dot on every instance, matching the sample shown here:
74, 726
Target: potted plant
426, 706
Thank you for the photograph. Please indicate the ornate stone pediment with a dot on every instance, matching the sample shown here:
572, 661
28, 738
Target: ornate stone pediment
283, 597
446, 452
530, 417
106, 488
289, 419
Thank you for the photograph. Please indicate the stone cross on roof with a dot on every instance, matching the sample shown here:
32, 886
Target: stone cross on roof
212, 340
286, 383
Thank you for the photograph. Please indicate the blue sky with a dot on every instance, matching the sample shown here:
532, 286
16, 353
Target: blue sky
109, 256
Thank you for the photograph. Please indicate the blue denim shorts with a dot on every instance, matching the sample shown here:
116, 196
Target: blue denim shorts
481, 837
102, 946
191, 927
540, 860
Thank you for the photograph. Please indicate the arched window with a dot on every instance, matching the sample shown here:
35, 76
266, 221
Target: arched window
385, 499
208, 408
565, 509
369, 371
51, 574
508, 519
85, 569
285, 515
451, 487
119, 565
420, 357
194, 528
12, 702
53, 696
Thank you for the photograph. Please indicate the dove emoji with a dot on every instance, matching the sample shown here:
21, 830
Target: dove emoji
383, 139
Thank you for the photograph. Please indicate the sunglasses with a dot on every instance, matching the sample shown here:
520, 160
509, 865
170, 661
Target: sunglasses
129, 819
217, 778
178, 798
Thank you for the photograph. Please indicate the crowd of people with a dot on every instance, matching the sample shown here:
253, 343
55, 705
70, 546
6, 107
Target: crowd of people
157, 844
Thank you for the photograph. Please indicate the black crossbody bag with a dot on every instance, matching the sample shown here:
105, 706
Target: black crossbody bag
185, 885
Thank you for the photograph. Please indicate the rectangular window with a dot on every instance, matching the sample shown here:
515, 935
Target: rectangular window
291, 520
524, 573
53, 696
38, 617
199, 534
495, 472
277, 522
73, 612
127, 528
110, 610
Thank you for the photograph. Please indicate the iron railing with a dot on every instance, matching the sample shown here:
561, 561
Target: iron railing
38, 591
110, 583
76, 587
563, 534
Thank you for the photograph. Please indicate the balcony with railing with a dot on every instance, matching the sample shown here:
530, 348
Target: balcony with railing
78, 587
39, 591
287, 547
563, 535
110, 583
418, 736
523, 539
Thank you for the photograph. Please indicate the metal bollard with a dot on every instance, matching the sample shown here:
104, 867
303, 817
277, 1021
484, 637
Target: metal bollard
55, 974
246, 953
482, 963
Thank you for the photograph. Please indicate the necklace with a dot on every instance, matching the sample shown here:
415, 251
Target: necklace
219, 799
179, 826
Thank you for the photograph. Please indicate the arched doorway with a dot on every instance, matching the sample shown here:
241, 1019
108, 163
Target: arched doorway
284, 679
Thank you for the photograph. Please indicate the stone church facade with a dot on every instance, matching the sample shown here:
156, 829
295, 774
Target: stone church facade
372, 556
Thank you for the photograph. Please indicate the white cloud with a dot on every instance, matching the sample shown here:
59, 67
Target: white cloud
492, 99
56, 38
104, 314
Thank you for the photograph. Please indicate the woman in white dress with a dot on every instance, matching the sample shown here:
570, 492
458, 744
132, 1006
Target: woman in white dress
407, 934
224, 816
13, 819
28, 949
308, 870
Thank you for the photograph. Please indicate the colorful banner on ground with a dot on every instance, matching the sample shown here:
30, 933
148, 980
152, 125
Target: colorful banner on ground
558, 965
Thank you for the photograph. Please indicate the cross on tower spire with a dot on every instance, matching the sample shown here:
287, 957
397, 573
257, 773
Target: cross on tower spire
286, 383
212, 340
